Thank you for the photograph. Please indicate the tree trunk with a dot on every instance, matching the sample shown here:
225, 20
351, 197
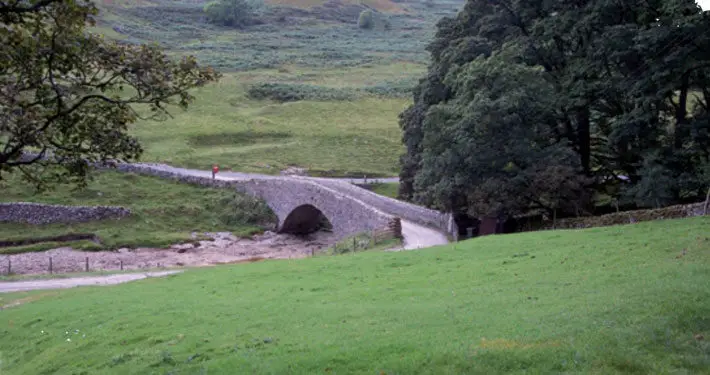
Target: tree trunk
681, 113
584, 138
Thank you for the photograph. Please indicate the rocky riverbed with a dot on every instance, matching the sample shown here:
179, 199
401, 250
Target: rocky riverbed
225, 248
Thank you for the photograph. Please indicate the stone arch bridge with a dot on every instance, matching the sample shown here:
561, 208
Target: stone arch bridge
301, 203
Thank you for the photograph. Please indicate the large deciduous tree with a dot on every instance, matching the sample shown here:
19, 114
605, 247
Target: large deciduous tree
67, 96
540, 104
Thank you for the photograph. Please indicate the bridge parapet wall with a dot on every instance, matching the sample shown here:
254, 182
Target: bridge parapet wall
417, 214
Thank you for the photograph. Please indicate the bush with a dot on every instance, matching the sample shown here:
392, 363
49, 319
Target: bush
366, 20
287, 92
233, 13
243, 210
393, 89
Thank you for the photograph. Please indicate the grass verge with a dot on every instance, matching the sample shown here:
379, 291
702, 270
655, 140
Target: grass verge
624, 299
163, 212
387, 189
361, 242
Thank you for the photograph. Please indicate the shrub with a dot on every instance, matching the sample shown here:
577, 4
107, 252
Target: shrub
242, 210
233, 13
366, 20
287, 92
393, 89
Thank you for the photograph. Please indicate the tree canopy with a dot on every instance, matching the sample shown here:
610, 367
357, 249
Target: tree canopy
549, 104
233, 13
67, 96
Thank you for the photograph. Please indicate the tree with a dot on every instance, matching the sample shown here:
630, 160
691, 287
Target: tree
366, 19
490, 149
233, 13
623, 81
68, 96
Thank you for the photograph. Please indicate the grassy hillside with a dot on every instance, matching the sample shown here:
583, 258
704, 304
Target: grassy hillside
358, 82
631, 299
164, 212
385, 6
323, 37
356, 137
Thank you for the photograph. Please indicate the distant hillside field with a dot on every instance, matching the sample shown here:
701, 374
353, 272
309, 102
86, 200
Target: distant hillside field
616, 300
385, 6
350, 137
319, 34
306, 88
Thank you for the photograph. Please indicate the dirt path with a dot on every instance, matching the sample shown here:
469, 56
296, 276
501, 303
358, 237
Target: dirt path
23, 286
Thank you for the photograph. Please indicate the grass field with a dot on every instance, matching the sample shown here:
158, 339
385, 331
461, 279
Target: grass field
386, 189
353, 137
626, 299
316, 40
164, 212
372, 71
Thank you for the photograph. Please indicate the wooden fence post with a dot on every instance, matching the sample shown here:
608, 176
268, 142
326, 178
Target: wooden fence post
121, 265
50, 265
9, 266
554, 219
86, 264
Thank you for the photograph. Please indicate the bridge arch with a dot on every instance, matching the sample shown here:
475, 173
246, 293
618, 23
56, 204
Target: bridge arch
305, 219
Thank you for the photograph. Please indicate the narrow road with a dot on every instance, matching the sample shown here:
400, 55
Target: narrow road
226, 175
22, 286
417, 236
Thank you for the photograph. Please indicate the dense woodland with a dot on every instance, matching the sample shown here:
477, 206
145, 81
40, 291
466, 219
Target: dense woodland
561, 106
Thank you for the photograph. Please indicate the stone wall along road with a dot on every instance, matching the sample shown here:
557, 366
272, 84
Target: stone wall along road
37, 213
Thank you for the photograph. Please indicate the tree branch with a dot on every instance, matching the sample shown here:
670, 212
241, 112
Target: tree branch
9, 9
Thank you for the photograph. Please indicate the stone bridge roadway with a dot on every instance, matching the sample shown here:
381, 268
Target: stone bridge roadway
300, 202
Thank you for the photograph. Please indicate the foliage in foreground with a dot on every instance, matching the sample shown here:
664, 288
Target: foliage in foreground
542, 105
606, 300
163, 212
71, 95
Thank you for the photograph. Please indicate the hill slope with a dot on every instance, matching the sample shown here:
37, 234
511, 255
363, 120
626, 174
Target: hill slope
608, 300
357, 81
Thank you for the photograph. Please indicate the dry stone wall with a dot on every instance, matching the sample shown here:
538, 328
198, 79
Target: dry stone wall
37, 213
628, 217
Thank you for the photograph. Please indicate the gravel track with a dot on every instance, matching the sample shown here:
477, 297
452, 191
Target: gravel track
23, 286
